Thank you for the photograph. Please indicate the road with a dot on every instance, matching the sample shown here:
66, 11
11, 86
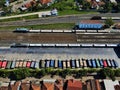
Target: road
59, 19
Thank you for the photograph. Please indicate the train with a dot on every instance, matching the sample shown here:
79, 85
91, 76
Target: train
22, 45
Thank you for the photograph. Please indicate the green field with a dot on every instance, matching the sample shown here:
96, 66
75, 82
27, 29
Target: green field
41, 26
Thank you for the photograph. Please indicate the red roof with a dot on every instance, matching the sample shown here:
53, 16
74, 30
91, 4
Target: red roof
59, 84
4, 88
97, 85
48, 86
25, 86
74, 85
35, 87
15, 85
45, 1
91, 21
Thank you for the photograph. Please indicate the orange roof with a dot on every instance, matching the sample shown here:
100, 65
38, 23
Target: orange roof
97, 85
48, 86
35, 87
91, 21
25, 86
59, 84
74, 85
28, 5
15, 85
45, 1
4, 88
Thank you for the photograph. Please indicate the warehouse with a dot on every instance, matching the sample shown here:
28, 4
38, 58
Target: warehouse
89, 25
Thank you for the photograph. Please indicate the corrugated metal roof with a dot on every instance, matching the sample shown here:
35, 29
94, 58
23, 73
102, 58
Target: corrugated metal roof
109, 84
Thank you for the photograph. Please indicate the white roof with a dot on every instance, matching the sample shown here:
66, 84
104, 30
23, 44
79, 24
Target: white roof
109, 84
49, 80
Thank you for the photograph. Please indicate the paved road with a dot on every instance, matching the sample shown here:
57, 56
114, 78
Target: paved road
59, 53
59, 19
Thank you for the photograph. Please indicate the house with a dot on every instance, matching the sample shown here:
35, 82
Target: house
74, 85
35, 85
59, 84
117, 26
109, 84
4, 85
117, 87
25, 85
48, 84
14, 85
45, 1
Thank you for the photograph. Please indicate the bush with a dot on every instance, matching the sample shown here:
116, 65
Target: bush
109, 21
107, 72
117, 72
19, 74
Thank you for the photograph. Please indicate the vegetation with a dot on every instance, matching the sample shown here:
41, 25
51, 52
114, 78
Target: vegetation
20, 18
109, 22
42, 26
21, 73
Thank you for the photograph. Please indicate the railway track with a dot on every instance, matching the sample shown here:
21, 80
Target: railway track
98, 38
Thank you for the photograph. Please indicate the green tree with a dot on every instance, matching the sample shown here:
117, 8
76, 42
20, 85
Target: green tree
118, 6
117, 72
107, 72
108, 6
20, 74
109, 22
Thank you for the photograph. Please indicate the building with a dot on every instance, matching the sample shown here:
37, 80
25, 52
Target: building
25, 85
89, 25
59, 84
14, 85
35, 85
109, 84
74, 85
117, 26
4, 85
45, 1
48, 84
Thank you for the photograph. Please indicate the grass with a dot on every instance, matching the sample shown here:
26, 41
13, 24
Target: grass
20, 18
41, 26
71, 12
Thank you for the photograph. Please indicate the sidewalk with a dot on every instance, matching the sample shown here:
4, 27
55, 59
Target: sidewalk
21, 15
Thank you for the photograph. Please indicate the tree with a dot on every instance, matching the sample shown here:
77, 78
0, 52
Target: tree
107, 7
20, 74
107, 72
109, 22
118, 6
